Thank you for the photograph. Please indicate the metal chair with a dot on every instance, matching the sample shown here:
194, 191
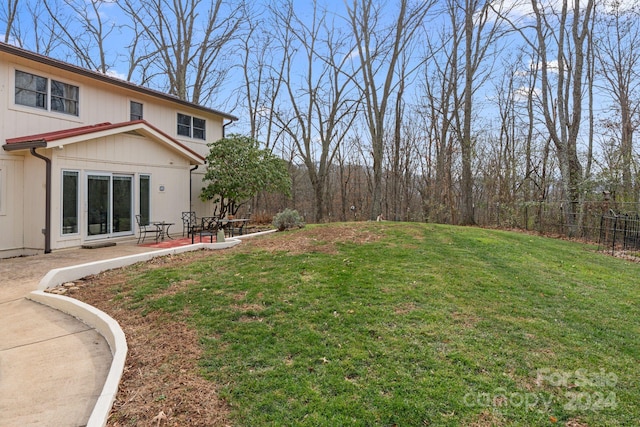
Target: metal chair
146, 228
189, 221
209, 226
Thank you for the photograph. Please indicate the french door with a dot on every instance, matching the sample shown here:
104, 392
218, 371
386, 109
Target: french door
109, 204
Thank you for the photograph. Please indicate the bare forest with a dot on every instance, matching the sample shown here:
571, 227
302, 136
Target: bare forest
516, 114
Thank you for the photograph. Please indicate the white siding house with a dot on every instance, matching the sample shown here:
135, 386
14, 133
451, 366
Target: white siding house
83, 153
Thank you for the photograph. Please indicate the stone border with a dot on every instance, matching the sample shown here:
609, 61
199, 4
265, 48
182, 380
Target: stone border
103, 323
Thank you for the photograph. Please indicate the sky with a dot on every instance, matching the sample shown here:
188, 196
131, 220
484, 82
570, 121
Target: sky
111, 15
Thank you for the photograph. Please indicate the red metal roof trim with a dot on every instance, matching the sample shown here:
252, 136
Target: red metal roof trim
60, 134
86, 130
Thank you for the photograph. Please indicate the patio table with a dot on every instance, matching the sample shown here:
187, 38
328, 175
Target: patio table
163, 229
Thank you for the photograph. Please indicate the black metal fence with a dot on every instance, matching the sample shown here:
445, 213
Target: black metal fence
548, 218
619, 232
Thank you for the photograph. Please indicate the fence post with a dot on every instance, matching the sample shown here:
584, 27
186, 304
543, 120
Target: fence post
615, 229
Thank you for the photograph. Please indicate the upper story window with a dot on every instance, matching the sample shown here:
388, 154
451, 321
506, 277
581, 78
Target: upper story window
191, 126
51, 95
199, 127
135, 111
31, 90
64, 98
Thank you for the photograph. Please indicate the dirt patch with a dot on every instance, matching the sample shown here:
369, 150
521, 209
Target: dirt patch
405, 308
317, 239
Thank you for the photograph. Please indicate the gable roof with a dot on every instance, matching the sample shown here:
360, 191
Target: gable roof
70, 136
23, 53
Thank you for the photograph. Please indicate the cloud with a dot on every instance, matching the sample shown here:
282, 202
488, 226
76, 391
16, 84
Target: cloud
263, 111
522, 8
552, 66
13, 41
522, 93
115, 74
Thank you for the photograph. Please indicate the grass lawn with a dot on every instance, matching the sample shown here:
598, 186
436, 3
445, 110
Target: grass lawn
382, 324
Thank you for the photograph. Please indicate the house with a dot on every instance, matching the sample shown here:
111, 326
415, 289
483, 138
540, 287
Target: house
83, 153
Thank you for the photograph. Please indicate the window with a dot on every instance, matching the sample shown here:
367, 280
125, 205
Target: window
64, 98
31, 90
135, 111
199, 126
184, 125
39, 92
191, 126
69, 202
145, 198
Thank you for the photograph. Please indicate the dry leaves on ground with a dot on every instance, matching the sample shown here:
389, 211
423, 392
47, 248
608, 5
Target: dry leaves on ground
161, 385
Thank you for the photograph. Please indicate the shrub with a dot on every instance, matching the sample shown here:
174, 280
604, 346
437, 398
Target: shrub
287, 219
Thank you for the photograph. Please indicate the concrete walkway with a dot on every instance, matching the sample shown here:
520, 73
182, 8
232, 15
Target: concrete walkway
52, 366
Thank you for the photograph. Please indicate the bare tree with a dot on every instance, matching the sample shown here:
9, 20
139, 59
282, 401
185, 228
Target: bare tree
84, 31
8, 15
440, 101
480, 31
29, 25
190, 52
564, 34
322, 105
379, 46
262, 66
563, 117
618, 53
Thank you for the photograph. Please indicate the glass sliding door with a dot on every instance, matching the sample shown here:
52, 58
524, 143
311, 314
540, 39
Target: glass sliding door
70, 202
98, 204
109, 204
122, 203
145, 199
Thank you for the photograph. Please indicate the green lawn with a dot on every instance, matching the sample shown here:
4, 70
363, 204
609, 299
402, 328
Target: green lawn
426, 325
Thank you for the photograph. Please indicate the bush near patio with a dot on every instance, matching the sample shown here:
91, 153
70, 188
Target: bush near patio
409, 325
237, 170
287, 219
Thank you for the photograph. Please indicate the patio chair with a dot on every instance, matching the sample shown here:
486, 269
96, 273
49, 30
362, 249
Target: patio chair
209, 226
189, 223
143, 229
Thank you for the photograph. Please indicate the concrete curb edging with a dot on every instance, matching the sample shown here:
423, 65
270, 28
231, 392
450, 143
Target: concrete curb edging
259, 233
110, 330
103, 323
59, 276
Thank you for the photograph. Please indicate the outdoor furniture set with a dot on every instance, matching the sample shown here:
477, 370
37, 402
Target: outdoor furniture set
158, 229
208, 226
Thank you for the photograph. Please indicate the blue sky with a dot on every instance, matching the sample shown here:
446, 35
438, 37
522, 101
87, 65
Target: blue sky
112, 15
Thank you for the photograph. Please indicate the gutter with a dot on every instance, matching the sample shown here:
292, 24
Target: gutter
191, 185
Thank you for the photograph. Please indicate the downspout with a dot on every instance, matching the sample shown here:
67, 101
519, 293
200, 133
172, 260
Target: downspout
47, 208
191, 184
224, 128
